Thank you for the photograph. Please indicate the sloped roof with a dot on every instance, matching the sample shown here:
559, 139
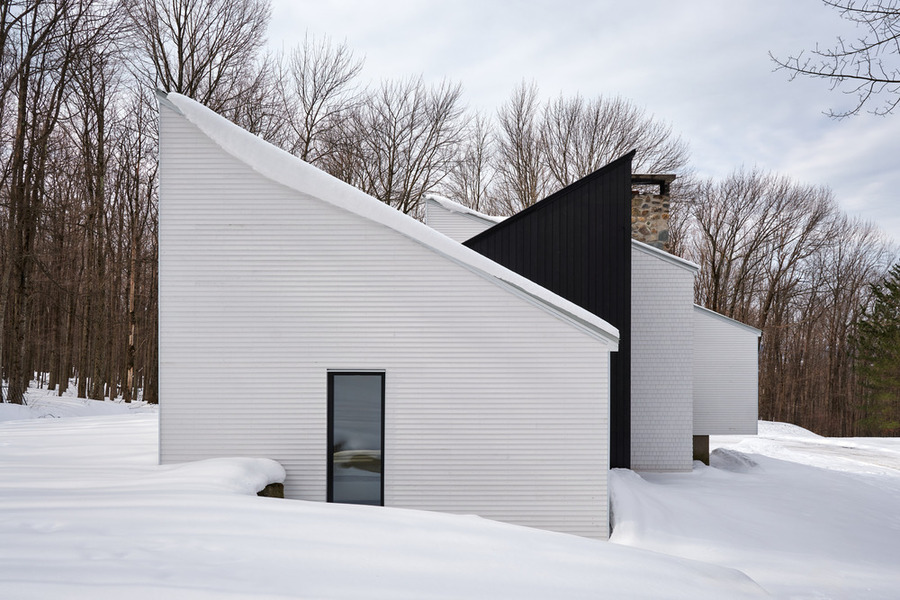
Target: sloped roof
563, 195
662, 254
456, 207
729, 320
290, 171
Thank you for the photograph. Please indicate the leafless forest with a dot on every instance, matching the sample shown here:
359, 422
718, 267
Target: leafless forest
78, 189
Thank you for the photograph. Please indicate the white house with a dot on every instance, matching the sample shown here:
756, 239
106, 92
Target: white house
679, 397
662, 364
726, 378
454, 220
376, 359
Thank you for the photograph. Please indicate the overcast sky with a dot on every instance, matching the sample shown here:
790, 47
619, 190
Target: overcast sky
700, 65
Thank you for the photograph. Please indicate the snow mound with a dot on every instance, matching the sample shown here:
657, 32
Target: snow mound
772, 429
87, 513
236, 475
804, 516
731, 460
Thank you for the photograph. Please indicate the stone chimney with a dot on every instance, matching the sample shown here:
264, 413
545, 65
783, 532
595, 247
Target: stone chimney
649, 210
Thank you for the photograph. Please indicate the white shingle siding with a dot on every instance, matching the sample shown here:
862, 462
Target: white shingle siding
726, 375
455, 224
493, 405
661, 361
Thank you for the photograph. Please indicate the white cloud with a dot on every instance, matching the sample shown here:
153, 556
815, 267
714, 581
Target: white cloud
701, 65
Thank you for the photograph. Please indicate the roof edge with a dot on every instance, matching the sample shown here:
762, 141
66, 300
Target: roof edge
288, 170
729, 320
456, 207
561, 193
666, 256
163, 97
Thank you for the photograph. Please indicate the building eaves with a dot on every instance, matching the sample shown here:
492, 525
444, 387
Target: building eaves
456, 207
662, 254
288, 170
729, 320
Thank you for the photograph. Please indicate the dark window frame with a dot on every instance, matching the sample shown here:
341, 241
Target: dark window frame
329, 496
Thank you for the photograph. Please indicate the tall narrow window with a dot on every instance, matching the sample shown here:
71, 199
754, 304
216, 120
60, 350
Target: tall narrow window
355, 438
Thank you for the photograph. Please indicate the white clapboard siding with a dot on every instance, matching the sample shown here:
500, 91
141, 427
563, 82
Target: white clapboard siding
662, 288
455, 220
726, 375
494, 404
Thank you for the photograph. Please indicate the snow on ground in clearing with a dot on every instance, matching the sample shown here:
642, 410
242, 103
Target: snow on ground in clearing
44, 403
805, 516
85, 512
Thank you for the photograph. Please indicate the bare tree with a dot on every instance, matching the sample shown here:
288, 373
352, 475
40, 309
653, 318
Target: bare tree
134, 182
540, 150
581, 136
408, 135
780, 256
317, 88
200, 48
470, 182
258, 107
867, 66
521, 164
48, 40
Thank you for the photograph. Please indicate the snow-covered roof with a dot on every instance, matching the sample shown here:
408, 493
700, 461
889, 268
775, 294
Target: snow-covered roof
290, 171
729, 320
456, 207
675, 260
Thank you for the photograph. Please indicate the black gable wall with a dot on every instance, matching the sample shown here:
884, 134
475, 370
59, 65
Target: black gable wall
577, 243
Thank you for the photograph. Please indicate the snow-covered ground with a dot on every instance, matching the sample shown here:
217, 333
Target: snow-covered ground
85, 512
804, 516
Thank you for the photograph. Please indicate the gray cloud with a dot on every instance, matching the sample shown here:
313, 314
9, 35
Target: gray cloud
701, 65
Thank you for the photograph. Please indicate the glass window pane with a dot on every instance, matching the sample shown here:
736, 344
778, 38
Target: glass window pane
356, 416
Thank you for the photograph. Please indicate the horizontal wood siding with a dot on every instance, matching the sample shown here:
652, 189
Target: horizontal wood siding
577, 243
661, 363
493, 406
726, 376
455, 225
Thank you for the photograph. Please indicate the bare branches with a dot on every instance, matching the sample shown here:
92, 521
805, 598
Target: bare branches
540, 149
470, 181
781, 256
317, 88
200, 48
408, 136
521, 165
581, 136
867, 67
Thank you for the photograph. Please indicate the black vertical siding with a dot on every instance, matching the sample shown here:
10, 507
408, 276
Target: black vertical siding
577, 243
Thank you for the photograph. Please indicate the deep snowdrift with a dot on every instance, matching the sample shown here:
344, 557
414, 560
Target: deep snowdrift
85, 512
804, 516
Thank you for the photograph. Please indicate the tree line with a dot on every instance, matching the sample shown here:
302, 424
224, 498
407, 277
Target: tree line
78, 188
782, 256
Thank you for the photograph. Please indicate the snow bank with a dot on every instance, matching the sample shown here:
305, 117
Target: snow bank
772, 430
804, 516
85, 512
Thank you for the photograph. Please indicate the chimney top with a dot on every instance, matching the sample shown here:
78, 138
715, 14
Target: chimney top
663, 181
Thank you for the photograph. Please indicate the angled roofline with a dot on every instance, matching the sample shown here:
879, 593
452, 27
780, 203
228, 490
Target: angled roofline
288, 170
555, 196
729, 320
456, 207
662, 254
163, 97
